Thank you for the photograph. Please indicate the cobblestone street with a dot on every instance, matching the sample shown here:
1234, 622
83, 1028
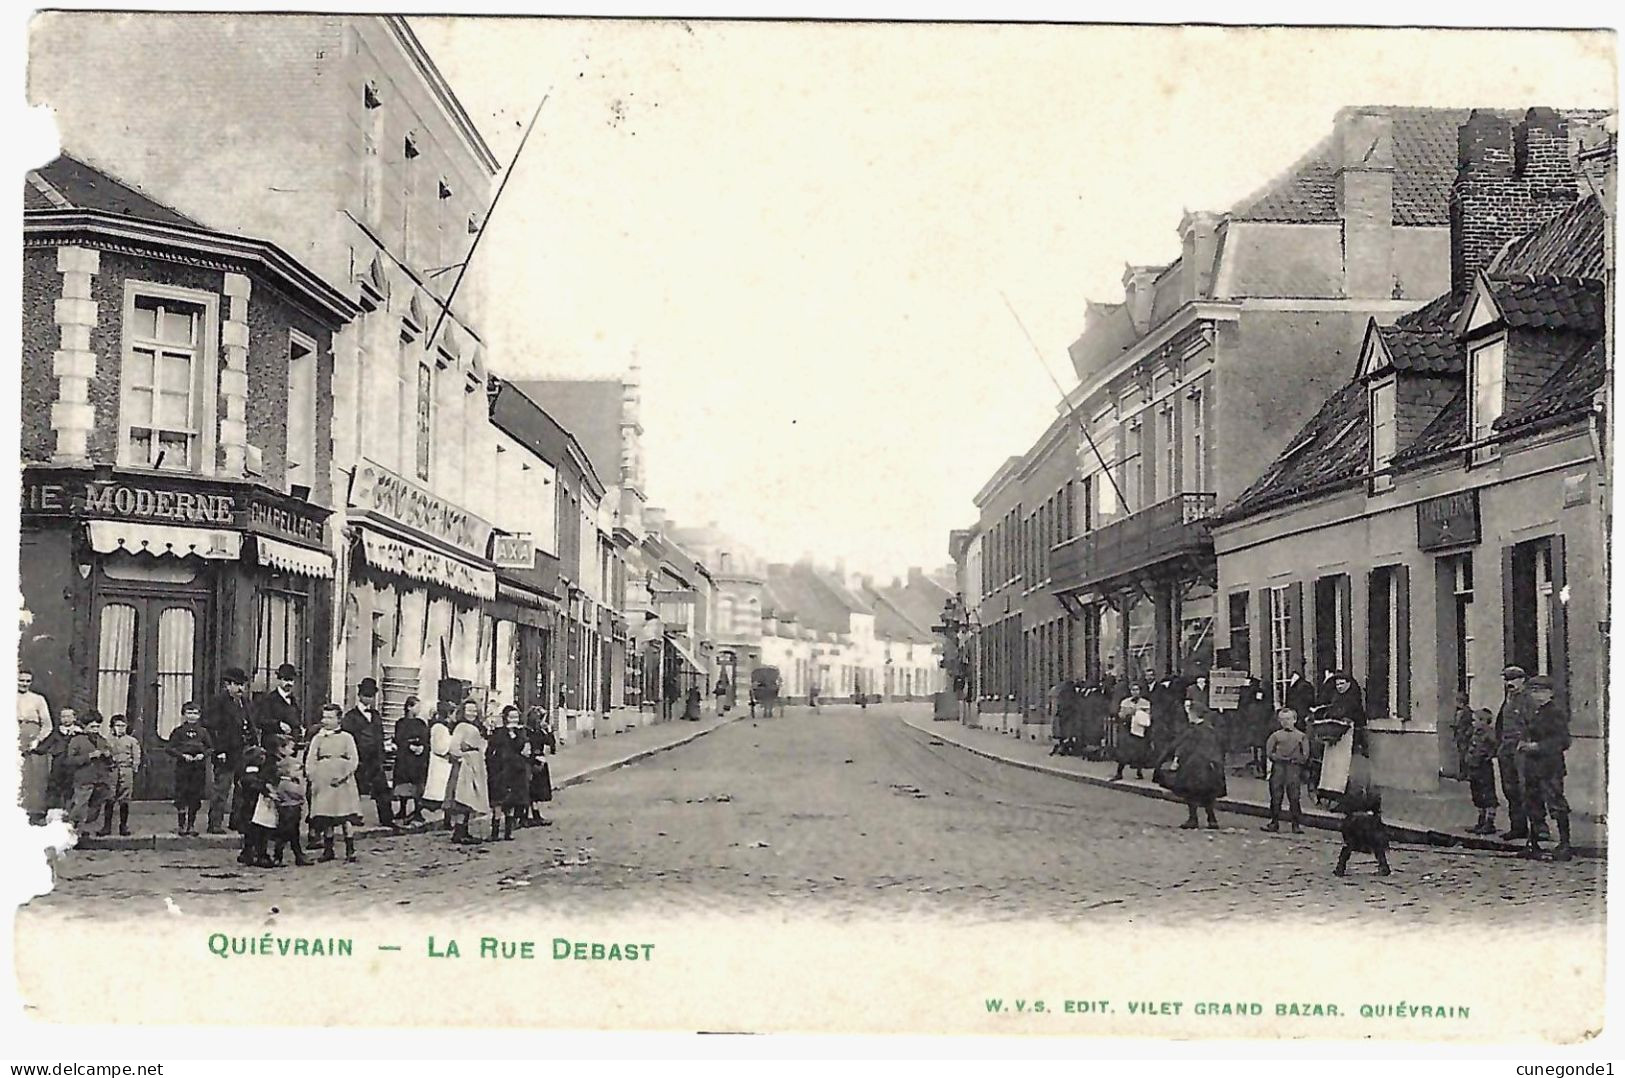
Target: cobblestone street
851, 813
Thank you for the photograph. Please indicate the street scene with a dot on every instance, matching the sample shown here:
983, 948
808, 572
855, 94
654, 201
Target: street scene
477, 466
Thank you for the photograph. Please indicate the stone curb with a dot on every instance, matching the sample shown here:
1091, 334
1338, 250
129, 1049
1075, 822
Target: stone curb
1321, 820
231, 840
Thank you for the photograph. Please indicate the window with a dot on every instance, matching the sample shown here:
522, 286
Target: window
1241, 632
1461, 586
301, 459
1487, 376
168, 390
409, 194
177, 653
279, 634
1167, 487
1130, 469
1535, 607
1281, 636
425, 419
1331, 624
1195, 436
1387, 689
1383, 434
115, 660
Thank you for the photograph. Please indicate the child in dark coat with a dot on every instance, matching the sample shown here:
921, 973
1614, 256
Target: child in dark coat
1363, 829
256, 779
1478, 760
539, 734
289, 796
191, 748
507, 766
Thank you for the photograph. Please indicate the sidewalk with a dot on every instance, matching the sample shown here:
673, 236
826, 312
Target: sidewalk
1434, 819
153, 822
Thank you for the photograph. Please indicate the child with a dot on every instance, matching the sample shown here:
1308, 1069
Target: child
331, 762
254, 781
411, 762
90, 759
189, 744
1479, 762
1363, 829
126, 762
1287, 751
54, 747
289, 795
539, 733
507, 764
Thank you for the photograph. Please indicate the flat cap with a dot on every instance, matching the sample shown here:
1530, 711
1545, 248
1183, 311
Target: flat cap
1513, 671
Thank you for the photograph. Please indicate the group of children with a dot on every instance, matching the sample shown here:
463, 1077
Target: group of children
91, 774
1287, 752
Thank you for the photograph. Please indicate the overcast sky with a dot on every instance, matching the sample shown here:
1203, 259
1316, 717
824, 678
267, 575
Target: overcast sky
802, 230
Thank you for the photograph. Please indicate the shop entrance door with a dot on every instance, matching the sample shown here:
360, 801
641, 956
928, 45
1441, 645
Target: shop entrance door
149, 661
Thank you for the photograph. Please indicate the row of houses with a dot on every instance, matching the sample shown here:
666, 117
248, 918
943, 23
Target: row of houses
1358, 424
262, 425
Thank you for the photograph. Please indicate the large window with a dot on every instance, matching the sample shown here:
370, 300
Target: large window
1534, 608
1167, 485
1461, 586
1331, 597
301, 416
279, 634
1486, 370
1241, 632
1281, 636
1387, 689
115, 660
424, 420
1195, 442
168, 387
1131, 469
1383, 434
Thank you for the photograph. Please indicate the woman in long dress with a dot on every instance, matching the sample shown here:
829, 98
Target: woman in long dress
437, 776
1132, 747
330, 766
1198, 776
1346, 705
539, 732
411, 767
469, 795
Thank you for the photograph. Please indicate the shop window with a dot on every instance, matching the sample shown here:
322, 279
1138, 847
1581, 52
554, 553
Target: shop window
279, 635
115, 660
301, 414
177, 653
1486, 373
1241, 632
1387, 688
167, 404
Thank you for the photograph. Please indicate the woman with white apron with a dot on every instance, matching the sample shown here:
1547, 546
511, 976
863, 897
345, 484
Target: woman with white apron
439, 776
1346, 709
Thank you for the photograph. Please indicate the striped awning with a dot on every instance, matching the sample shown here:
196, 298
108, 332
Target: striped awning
111, 536
301, 561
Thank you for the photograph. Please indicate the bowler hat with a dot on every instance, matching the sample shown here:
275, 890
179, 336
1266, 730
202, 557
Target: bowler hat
1513, 672
1541, 681
287, 671
368, 687
234, 676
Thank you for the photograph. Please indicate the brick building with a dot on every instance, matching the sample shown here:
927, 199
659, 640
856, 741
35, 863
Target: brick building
175, 439
1436, 518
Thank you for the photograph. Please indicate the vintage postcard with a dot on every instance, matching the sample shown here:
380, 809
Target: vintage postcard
815, 527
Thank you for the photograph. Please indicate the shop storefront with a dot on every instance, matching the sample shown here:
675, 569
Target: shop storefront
143, 588
526, 613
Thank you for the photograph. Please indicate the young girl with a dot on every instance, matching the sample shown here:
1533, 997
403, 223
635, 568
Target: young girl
335, 801
507, 761
411, 762
437, 776
289, 796
190, 746
539, 732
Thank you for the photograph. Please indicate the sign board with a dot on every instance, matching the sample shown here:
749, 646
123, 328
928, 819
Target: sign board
1451, 520
376, 489
1224, 688
419, 563
513, 551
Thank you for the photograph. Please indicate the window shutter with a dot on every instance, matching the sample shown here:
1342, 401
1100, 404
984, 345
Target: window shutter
1402, 641
1508, 645
1261, 653
1560, 623
1294, 604
1345, 598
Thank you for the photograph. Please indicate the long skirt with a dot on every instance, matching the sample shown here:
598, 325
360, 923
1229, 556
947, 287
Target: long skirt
1335, 763
541, 782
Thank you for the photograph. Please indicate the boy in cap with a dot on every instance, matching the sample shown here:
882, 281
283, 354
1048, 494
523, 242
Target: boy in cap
90, 759
1546, 739
189, 744
126, 762
1510, 723
1478, 758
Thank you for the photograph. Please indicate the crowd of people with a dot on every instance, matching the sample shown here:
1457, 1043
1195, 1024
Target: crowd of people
283, 782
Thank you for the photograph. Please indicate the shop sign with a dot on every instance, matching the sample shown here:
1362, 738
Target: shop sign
1448, 521
123, 500
513, 551
376, 489
1224, 688
409, 560
285, 522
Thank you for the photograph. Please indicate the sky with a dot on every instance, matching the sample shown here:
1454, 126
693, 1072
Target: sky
802, 231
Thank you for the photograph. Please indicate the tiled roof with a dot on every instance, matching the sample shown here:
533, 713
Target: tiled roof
1447, 432
1567, 391
1572, 304
1424, 165
1569, 245
87, 188
1332, 448
1431, 351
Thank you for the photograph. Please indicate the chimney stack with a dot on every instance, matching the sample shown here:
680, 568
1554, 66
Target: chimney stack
1199, 238
1364, 187
1510, 179
1138, 293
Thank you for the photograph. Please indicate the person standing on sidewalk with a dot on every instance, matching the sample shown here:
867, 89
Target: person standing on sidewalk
437, 779
468, 793
275, 713
1546, 739
126, 762
365, 725
191, 748
1197, 765
411, 767
226, 720
33, 727
1132, 745
1511, 722
330, 766
91, 758
539, 734
507, 768
1287, 751
1478, 767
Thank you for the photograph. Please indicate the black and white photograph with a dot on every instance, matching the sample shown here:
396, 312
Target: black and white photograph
783, 525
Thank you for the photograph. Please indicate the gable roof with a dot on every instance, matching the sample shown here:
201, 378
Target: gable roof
76, 185
1330, 450
1570, 304
1569, 245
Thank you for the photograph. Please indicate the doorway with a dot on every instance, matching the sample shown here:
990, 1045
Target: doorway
149, 662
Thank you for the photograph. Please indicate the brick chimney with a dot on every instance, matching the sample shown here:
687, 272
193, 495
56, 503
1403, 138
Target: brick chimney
1199, 237
1364, 190
1510, 179
1138, 293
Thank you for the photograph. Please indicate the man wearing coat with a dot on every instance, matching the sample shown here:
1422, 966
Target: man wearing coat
1300, 696
276, 713
1510, 725
226, 720
1545, 740
365, 724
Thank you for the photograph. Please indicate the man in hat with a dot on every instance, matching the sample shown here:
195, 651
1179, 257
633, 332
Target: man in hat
1510, 725
1545, 739
226, 719
275, 713
365, 724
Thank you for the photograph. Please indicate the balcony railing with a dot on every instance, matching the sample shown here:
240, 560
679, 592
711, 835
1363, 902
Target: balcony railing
1157, 533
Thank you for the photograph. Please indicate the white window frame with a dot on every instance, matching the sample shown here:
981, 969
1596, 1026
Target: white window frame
423, 463
1167, 484
306, 411
1280, 656
1196, 469
1543, 609
1485, 402
1383, 394
205, 376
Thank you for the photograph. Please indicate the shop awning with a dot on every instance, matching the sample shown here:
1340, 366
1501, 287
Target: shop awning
110, 536
688, 656
398, 556
299, 560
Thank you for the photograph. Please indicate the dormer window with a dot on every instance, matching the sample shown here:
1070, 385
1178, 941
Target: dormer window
1383, 433
1486, 378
